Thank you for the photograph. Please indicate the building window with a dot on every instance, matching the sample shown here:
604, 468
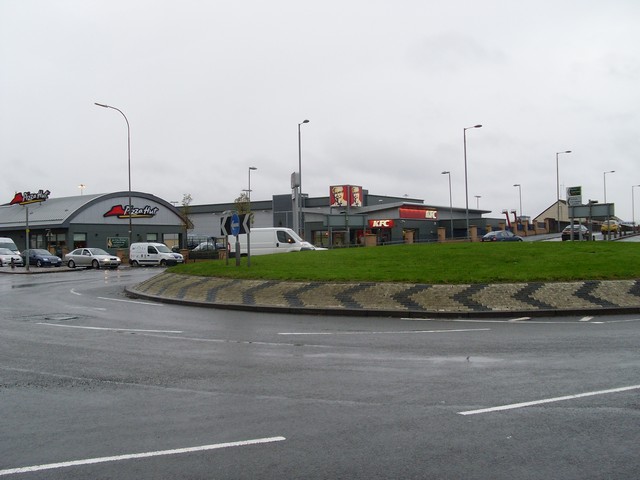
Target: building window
79, 240
152, 237
171, 240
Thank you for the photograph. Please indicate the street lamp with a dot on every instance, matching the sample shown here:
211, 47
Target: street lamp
633, 213
478, 197
82, 186
604, 180
558, 185
130, 207
520, 195
466, 184
450, 201
300, 228
249, 190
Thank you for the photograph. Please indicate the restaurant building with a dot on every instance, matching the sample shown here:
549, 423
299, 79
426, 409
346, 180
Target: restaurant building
62, 224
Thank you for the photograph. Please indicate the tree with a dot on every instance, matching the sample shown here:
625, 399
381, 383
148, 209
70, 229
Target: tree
242, 203
186, 213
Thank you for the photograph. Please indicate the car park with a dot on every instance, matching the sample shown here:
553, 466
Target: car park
91, 257
41, 258
8, 257
580, 232
501, 236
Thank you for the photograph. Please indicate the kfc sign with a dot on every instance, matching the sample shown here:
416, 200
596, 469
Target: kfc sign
380, 223
419, 213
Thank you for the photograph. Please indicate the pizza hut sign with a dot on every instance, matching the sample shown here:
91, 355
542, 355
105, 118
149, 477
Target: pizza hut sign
380, 223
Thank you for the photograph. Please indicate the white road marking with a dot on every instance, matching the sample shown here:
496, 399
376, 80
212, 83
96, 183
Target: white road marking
109, 329
400, 332
520, 319
548, 400
118, 458
75, 293
586, 319
132, 301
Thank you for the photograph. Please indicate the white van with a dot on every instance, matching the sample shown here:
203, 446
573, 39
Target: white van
269, 240
151, 253
6, 242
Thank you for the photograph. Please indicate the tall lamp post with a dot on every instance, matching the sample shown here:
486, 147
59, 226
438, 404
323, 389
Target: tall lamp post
466, 184
558, 185
450, 201
604, 181
300, 227
130, 207
633, 206
520, 195
249, 190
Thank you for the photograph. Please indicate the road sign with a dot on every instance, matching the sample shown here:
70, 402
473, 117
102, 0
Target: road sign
241, 222
574, 196
235, 224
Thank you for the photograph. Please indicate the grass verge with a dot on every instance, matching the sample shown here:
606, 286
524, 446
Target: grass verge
440, 263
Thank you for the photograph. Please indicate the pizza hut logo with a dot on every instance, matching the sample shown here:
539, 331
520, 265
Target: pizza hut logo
25, 198
121, 211
380, 223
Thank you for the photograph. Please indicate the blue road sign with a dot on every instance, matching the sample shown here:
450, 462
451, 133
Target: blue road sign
235, 224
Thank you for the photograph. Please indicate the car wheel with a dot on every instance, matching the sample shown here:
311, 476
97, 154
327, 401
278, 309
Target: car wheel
134, 263
71, 264
163, 263
95, 264
38, 263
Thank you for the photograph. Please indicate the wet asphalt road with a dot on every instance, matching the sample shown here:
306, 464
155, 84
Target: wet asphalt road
91, 376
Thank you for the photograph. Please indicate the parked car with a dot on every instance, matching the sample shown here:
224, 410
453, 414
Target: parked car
91, 257
7, 256
501, 236
206, 246
41, 258
578, 230
610, 226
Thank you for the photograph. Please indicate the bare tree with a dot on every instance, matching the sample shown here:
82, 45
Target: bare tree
186, 216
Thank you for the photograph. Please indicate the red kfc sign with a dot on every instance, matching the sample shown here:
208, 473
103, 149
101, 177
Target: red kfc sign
380, 223
419, 213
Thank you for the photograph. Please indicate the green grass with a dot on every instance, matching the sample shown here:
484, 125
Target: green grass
440, 263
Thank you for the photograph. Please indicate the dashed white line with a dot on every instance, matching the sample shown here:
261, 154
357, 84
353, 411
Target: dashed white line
400, 332
548, 400
111, 329
118, 458
520, 319
586, 319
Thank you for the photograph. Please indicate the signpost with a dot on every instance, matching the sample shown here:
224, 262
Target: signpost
237, 224
574, 196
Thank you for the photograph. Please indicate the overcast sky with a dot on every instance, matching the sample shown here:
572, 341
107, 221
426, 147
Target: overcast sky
213, 87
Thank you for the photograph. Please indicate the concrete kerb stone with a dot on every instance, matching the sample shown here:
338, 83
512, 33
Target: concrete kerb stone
533, 299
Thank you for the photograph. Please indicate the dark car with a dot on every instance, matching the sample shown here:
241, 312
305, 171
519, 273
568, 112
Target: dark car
41, 258
578, 230
501, 236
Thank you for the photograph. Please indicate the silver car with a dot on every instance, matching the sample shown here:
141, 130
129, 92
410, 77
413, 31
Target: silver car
7, 257
91, 257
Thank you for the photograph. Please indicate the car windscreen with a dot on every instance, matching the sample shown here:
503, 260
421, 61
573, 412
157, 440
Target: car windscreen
98, 251
163, 249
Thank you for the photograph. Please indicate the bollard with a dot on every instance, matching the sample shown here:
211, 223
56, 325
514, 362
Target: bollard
13, 263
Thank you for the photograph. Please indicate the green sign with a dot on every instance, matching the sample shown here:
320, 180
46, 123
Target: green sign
117, 242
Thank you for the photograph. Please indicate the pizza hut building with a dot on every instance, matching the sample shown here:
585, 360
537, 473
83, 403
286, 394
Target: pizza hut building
101, 220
